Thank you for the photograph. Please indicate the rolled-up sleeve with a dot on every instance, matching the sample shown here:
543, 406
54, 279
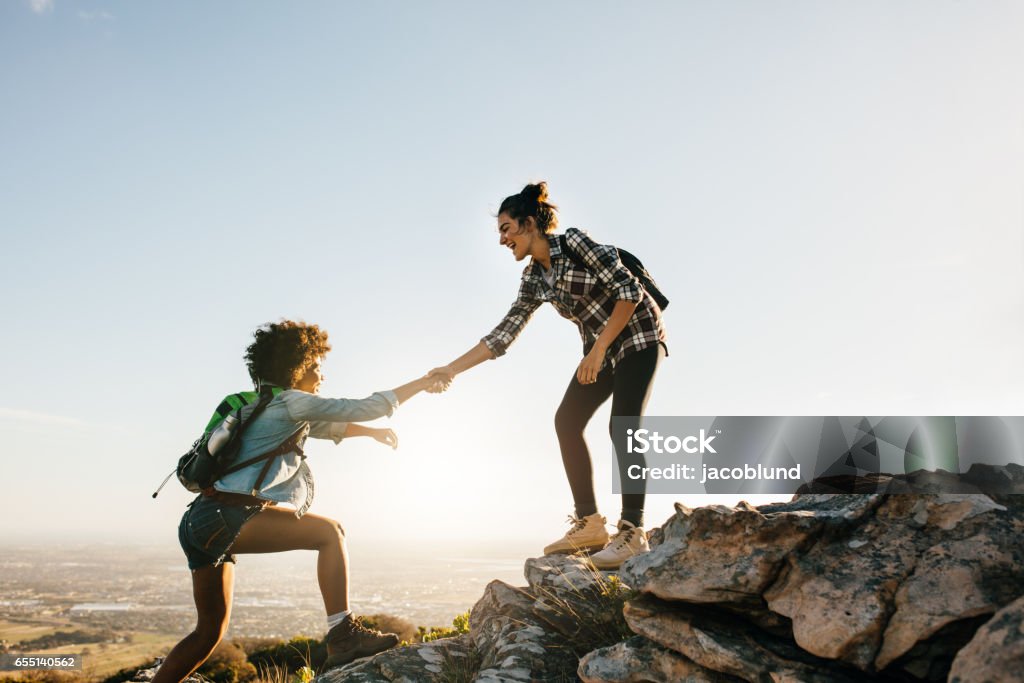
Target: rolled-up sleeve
502, 336
603, 261
303, 407
335, 431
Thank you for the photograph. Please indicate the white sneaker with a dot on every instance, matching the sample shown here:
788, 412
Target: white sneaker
629, 541
587, 533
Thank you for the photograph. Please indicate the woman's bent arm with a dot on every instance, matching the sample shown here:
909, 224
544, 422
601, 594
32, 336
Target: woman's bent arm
591, 364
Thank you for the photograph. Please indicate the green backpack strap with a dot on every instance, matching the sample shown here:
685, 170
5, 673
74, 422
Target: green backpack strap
236, 402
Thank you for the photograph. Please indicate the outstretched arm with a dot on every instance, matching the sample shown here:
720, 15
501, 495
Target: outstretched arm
385, 436
497, 342
407, 391
475, 356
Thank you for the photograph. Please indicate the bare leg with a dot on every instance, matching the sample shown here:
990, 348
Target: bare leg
274, 531
211, 588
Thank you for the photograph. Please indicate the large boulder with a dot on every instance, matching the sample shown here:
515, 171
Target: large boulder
920, 568
410, 664
996, 653
514, 642
730, 646
721, 555
874, 582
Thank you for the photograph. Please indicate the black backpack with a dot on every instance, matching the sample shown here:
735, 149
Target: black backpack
633, 265
198, 468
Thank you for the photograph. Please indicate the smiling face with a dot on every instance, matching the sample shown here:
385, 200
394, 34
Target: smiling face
517, 236
311, 378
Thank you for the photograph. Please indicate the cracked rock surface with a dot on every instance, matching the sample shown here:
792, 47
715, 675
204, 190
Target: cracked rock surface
996, 653
825, 588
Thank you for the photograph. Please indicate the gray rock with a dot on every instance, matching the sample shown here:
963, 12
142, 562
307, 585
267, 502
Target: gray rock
872, 581
721, 555
411, 664
515, 643
1003, 484
563, 572
952, 581
146, 675
639, 660
730, 646
912, 571
996, 653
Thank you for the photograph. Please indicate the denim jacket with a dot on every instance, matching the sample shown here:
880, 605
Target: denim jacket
289, 479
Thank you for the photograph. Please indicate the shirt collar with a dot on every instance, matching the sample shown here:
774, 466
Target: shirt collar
555, 244
555, 248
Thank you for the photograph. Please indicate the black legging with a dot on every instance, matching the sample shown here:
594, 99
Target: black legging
629, 385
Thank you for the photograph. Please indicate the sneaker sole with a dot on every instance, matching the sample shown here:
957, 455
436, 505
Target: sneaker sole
573, 550
607, 567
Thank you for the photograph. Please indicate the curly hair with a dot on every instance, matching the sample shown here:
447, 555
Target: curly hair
281, 352
532, 200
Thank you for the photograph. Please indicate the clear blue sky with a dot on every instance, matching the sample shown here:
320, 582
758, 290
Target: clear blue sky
831, 193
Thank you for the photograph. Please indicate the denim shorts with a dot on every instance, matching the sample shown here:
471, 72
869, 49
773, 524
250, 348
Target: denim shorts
208, 529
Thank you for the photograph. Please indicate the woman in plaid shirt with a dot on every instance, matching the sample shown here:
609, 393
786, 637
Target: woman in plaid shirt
623, 343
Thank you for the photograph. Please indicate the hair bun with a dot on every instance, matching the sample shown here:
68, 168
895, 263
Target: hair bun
533, 201
535, 192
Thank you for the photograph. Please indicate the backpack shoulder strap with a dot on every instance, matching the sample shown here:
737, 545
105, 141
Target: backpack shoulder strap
290, 445
266, 396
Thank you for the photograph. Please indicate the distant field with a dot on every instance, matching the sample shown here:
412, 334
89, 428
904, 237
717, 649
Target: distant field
16, 631
99, 659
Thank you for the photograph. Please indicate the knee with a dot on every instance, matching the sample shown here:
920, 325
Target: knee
625, 425
331, 531
211, 629
567, 424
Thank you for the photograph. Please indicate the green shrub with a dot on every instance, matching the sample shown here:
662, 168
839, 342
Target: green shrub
228, 664
460, 625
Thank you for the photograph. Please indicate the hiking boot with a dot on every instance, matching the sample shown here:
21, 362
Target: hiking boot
350, 640
629, 541
586, 534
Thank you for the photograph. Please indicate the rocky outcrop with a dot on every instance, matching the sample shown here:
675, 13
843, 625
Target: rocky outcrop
996, 653
146, 675
821, 589
639, 660
869, 582
517, 634
411, 664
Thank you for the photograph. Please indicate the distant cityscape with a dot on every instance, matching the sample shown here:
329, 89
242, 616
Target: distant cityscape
131, 590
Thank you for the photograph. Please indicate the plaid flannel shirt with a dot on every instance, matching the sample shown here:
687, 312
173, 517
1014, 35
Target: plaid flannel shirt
586, 296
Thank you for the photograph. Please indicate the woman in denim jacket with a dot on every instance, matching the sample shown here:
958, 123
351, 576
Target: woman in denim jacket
239, 514
623, 342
